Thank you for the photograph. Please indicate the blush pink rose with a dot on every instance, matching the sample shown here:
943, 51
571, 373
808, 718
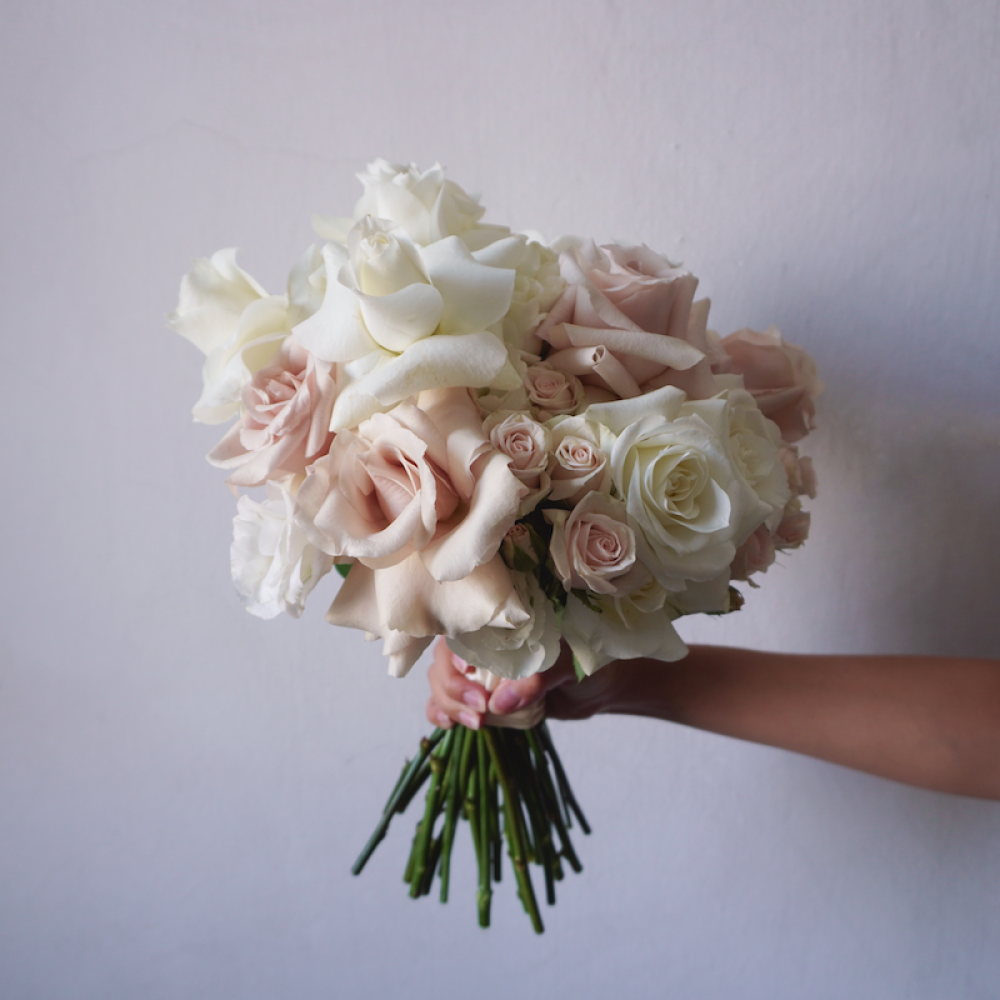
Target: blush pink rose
552, 392
421, 479
794, 527
755, 555
780, 376
627, 324
578, 463
527, 444
593, 547
285, 420
800, 471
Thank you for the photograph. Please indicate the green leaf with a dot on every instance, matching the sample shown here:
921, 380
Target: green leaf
343, 568
581, 674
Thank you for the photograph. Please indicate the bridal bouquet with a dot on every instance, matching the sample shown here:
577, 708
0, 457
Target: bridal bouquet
505, 442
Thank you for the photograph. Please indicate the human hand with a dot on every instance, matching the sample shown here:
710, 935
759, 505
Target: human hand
457, 698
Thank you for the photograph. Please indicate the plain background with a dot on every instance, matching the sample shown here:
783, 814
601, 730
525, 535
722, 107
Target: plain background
184, 787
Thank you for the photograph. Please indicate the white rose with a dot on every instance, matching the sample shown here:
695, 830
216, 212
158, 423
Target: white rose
426, 203
536, 288
237, 325
401, 318
755, 448
273, 565
639, 624
670, 464
515, 652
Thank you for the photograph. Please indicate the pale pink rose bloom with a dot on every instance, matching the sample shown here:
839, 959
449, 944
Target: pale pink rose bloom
627, 324
578, 464
781, 377
422, 478
593, 548
527, 444
421, 500
516, 546
285, 421
755, 555
794, 527
406, 607
553, 392
800, 471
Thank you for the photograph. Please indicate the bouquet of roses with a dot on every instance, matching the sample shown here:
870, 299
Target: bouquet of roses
508, 443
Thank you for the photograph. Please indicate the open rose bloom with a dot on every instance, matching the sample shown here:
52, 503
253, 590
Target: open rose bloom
514, 445
429, 385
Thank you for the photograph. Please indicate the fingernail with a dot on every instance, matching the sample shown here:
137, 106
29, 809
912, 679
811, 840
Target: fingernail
475, 700
460, 665
469, 719
443, 721
504, 700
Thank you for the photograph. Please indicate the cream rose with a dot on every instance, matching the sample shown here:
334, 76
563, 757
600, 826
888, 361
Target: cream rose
401, 318
426, 203
755, 449
670, 464
237, 325
273, 564
639, 624
781, 377
515, 652
285, 419
626, 324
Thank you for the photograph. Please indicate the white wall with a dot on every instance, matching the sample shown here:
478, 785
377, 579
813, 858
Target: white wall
184, 787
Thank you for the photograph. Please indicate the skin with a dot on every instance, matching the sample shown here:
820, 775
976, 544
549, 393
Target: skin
928, 721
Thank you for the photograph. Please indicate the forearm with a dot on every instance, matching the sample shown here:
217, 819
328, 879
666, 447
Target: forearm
927, 721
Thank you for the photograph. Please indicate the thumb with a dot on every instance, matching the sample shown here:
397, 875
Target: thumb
512, 696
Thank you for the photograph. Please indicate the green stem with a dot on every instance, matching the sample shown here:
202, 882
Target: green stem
458, 753
556, 806
541, 829
514, 841
413, 769
564, 787
432, 806
482, 821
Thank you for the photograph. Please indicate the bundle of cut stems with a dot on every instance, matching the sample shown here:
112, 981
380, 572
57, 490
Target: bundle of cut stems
481, 776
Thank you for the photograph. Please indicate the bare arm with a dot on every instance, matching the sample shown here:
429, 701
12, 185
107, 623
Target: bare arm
927, 721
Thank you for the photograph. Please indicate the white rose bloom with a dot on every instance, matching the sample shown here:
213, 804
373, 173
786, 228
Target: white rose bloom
639, 624
401, 318
670, 463
237, 325
536, 288
273, 564
520, 651
429, 206
755, 447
